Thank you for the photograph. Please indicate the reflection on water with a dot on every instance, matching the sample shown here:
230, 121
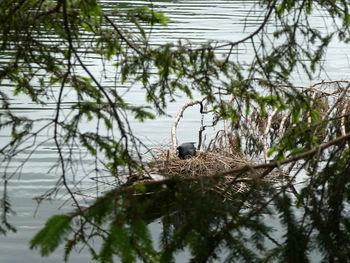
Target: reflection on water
197, 21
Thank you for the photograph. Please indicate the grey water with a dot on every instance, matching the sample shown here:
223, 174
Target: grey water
197, 21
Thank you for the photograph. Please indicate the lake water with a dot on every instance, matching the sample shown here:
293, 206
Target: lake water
197, 21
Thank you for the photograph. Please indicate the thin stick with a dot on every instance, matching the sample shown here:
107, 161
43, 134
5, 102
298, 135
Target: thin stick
284, 119
311, 105
177, 119
340, 97
227, 137
266, 133
342, 120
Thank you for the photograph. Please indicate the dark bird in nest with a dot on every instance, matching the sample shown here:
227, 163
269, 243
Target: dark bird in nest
186, 150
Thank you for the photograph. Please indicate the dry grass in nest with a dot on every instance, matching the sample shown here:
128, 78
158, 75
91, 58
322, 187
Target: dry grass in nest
210, 164
203, 164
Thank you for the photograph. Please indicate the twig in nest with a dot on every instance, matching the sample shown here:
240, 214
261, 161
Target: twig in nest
340, 97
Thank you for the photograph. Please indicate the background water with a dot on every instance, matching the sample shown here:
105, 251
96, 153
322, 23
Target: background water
198, 21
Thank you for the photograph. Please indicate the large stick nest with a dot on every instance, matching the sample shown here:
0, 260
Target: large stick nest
210, 164
203, 164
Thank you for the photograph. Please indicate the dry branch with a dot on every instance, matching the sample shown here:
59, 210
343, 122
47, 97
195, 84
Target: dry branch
177, 120
307, 154
340, 97
266, 133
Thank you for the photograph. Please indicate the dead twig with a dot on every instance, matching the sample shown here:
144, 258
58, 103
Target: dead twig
177, 120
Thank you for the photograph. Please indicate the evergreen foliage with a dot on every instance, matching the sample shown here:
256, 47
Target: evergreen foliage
47, 45
52, 235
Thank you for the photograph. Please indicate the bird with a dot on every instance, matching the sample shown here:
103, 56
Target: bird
186, 150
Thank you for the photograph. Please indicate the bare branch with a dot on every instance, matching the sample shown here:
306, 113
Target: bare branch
340, 97
298, 157
178, 117
267, 132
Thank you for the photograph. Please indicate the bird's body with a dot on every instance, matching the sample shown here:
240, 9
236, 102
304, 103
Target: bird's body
186, 150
